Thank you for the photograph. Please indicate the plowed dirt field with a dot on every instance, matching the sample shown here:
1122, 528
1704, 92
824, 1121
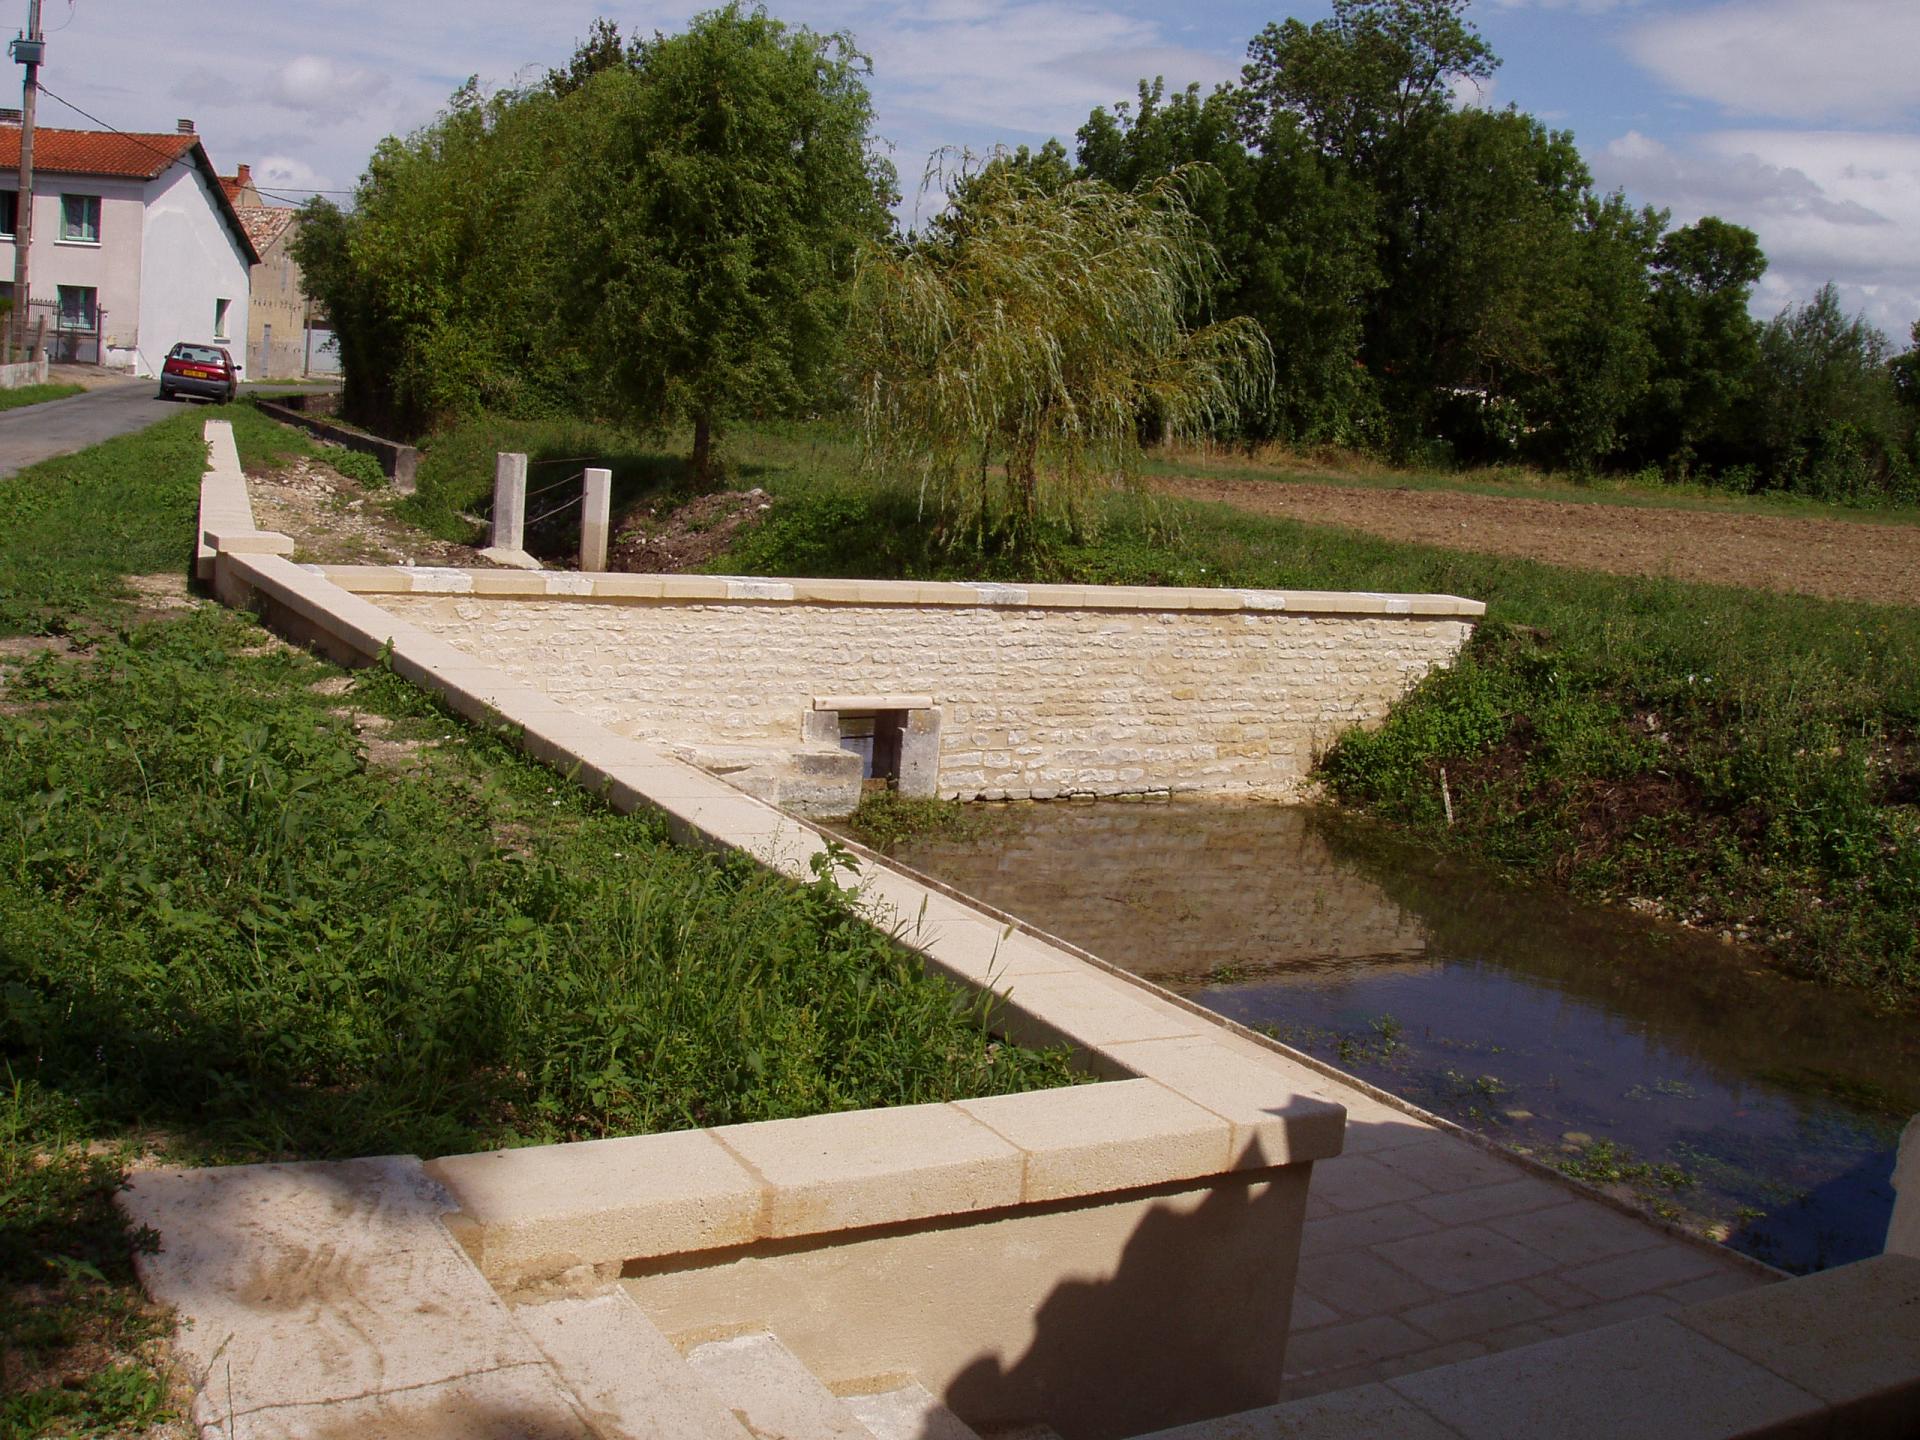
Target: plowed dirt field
1841, 559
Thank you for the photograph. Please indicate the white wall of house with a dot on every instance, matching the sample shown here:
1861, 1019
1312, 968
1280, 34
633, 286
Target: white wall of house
192, 260
109, 266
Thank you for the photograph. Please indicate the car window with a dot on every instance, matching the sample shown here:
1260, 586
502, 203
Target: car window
200, 354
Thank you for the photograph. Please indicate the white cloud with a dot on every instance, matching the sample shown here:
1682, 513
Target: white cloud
1471, 94
286, 172
320, 88
1828, 205
1794, 59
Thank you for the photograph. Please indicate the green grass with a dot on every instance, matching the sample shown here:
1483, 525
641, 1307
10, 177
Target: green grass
25, 395
242, 918
1739, 756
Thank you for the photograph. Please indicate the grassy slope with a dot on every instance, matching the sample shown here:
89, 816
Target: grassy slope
1739, 757
226, 932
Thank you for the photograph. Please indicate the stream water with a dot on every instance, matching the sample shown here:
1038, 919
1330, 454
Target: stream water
1761, 1109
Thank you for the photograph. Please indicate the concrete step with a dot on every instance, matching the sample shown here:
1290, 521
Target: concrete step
630, 1380
908, 1412
807, 778
772, 1392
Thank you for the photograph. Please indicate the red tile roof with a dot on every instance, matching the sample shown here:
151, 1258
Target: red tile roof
123, 155
96, 152
265, 224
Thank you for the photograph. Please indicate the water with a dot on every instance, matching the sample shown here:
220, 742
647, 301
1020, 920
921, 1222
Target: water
1758, 1108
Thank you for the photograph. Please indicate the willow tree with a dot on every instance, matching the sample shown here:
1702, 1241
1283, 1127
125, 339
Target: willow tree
1013, 358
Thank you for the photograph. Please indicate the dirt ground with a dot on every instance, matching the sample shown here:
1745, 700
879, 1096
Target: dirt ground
1840, 559
337, 521
648, 542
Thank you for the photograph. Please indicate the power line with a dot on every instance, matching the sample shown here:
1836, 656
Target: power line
176, 159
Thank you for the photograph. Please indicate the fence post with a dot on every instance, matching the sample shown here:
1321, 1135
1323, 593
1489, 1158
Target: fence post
596, 508
509, 501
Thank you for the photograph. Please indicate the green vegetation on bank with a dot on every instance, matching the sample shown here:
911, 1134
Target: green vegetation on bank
1737, 757
25, 395
252, 908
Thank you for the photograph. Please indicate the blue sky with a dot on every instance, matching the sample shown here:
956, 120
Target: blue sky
1800, 118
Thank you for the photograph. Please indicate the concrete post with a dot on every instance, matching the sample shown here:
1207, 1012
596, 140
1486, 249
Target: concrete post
596, 510
1903, 1229
509, 502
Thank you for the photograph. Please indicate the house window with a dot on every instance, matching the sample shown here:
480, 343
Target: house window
80, 219
220, 319
79, 307
9, 213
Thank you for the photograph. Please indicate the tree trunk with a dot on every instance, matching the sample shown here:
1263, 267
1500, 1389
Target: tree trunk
702, 461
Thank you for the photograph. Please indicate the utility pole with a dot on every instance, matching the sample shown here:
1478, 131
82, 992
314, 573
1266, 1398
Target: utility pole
29, 49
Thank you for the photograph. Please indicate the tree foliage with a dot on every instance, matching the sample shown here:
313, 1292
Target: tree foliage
662, 232
1012, 357
665, 231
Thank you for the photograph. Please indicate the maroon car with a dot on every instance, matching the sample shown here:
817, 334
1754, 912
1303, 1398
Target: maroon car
203, 370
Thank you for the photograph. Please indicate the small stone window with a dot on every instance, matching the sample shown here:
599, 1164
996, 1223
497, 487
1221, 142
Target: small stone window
875, 736
897, 737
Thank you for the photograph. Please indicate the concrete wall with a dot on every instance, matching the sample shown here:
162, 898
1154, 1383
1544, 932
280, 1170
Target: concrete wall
192, 258
276, 323
111, 267
1037, 700
1098, 1319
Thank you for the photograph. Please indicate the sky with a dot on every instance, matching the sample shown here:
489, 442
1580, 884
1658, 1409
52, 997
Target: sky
1797, 118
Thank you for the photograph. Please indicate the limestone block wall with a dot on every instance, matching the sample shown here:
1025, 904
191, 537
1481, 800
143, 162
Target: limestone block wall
1042, 692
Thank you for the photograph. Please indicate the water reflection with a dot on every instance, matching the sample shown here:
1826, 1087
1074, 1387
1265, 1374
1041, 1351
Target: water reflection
1759, 1107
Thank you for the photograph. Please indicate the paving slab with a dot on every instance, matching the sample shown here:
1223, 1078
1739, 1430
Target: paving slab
772, 1391
1576, 1232
1681, 1386
1368, 1412
315, 1283
907, 1412
521, 1403
1849, 1335
624, 1372
1358, 1282
1465, 1257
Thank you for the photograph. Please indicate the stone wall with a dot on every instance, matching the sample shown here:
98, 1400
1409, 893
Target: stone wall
1036, 700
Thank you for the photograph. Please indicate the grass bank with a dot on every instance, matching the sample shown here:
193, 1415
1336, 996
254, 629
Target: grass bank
253, 908
1738, 759
24, 395
1742, 760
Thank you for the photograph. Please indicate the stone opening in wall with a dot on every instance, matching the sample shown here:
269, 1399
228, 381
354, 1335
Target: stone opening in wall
897, 737
876, 737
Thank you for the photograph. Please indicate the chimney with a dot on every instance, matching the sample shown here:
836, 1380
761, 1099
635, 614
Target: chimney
9, 117
185, 127
244, 175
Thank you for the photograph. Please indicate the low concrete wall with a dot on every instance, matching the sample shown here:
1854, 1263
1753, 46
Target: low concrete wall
1096, 1320
1042, 691
25, 372
397, 461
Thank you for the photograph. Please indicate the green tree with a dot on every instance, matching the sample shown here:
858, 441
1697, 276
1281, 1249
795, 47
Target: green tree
1009, 358
1905, 371
602, 50
1828, 417
1706, 346
731, 184
1293, 235
1364, 82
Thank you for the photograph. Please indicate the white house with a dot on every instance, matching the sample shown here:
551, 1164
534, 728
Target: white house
135, 244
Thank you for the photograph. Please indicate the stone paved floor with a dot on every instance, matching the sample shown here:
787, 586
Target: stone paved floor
1422, 1249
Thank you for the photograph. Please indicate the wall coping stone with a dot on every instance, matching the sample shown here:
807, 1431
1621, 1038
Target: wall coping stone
708, 589
539, 1211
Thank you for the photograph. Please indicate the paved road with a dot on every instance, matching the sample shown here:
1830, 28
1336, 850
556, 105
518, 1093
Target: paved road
39, 432
60, 427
